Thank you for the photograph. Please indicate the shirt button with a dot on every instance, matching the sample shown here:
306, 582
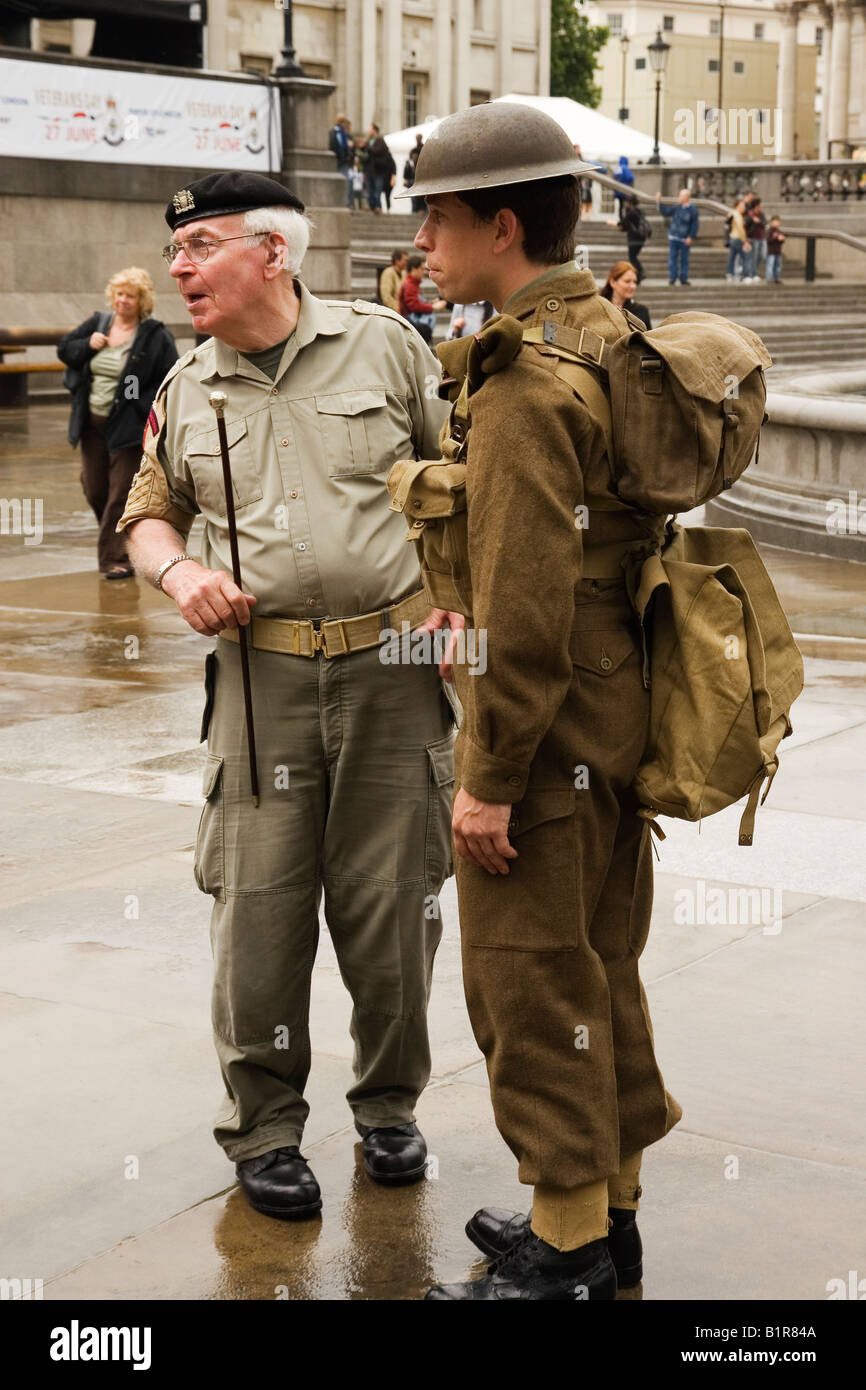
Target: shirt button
274, 391
514, 781
605, 663
302, 545
553, 305
285, 443
293, 493
312, 602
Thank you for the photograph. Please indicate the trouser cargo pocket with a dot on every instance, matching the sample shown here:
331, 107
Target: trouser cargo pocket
437, 849
534, 906
209, 867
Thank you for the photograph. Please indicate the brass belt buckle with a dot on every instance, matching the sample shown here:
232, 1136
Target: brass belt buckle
318, 639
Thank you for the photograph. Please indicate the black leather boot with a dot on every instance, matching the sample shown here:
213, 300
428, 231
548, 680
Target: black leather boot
496, 1231
394, 1154
534, 1270
280, 1184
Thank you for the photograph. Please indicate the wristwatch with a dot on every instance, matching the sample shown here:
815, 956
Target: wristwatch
164, 569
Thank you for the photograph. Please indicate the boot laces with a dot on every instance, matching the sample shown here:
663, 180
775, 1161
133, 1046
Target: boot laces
513, 1259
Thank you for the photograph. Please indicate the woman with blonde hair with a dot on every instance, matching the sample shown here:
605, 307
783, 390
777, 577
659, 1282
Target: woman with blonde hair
620, 286
116, 361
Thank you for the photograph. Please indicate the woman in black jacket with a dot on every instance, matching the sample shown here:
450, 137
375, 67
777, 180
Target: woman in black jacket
621, 285
117, 361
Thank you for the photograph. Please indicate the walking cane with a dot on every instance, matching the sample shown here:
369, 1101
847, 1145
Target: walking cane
219, 400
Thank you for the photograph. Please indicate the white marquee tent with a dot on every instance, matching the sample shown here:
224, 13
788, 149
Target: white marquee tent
600, 138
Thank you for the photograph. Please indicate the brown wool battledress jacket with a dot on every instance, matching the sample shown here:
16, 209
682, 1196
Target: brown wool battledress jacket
536, 455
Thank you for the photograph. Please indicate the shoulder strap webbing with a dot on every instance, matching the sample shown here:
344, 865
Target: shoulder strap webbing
574, 348
580, 343
585, 384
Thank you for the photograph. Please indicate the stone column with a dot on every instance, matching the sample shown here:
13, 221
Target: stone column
543, 29
392, 66
353, 58
826, 82
840, 78
462, 54
217, 35
503, 48
786, 92
368, 64
440, 60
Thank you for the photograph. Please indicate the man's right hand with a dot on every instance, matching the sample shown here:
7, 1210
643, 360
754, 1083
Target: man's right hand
209, 600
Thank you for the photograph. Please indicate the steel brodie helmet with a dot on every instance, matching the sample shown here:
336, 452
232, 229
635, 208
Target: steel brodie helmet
498, 143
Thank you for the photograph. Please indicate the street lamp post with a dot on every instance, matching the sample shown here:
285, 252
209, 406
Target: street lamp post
623, 43
288, 65
721, 75
658, 51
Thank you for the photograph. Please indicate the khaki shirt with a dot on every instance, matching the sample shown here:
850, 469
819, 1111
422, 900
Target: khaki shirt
355, 392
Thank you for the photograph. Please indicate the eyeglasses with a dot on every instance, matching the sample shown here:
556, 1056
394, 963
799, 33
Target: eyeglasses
197, 249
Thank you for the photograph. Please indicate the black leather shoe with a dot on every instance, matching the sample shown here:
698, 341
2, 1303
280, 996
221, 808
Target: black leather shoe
280, 1184
535, 1270
495, 1232
393, 1155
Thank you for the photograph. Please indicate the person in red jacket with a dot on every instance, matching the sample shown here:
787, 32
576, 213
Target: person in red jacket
417, 310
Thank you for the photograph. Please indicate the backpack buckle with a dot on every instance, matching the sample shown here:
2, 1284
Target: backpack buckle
651, 369
599, 346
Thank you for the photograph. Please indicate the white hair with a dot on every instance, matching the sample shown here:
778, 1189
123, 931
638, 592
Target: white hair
293, 225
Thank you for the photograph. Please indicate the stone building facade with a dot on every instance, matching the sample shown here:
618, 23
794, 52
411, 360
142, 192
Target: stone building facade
395, 61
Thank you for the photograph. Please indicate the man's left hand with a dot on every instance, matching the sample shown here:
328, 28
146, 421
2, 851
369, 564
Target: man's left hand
440, 617
688, 241
480, 830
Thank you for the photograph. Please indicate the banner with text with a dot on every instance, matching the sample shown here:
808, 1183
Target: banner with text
60, 111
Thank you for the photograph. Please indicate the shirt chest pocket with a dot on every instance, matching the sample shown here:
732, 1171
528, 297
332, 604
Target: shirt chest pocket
355, 432
205, 464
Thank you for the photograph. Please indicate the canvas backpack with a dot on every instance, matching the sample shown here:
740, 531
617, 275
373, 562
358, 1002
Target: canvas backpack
681, 408
725, 671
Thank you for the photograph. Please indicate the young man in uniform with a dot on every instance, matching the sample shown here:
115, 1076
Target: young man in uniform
553, 863
354, 757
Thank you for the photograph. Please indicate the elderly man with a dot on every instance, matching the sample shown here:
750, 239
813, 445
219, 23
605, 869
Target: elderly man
354, 756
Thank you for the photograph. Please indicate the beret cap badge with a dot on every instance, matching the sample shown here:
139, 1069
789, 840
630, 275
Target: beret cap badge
183, 201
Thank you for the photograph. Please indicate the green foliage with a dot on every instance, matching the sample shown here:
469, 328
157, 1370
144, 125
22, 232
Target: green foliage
574, 44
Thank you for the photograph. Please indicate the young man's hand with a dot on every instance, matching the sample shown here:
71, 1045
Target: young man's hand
440, 617
480, 831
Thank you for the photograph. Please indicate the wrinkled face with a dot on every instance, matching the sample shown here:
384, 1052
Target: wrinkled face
626, 285
125, 301
222, 292
459, 249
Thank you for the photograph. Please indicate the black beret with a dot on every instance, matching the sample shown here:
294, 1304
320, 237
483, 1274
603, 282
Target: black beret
217, 195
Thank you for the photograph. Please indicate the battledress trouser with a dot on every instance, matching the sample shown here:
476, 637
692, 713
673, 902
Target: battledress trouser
355, 764
550, 950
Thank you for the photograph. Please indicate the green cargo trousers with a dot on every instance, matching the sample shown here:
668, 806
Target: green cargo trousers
551, 950
356, 774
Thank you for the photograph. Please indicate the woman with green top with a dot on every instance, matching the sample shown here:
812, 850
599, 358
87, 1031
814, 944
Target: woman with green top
118, 360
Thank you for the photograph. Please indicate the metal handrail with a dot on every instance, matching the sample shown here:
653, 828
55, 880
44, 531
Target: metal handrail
858, 243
